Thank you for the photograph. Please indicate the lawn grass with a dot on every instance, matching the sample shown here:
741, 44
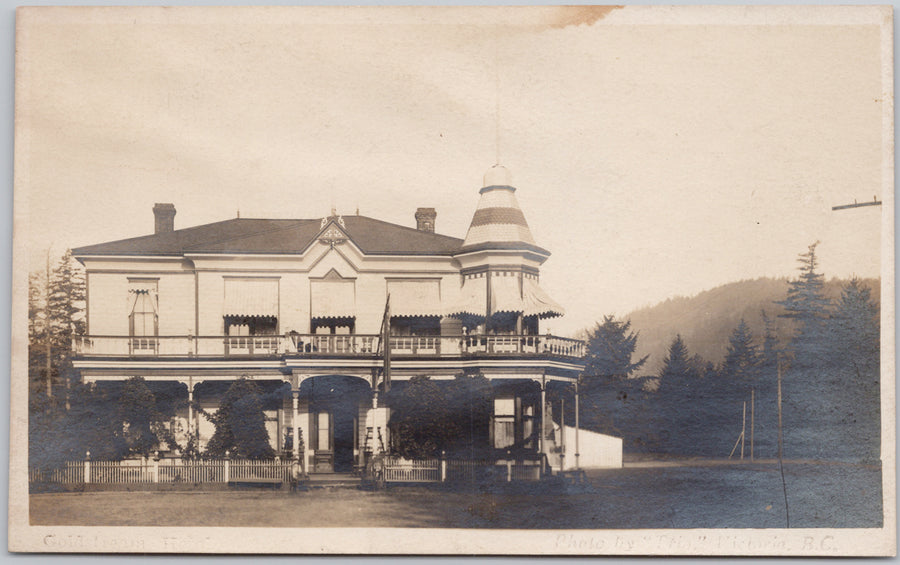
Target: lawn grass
698, 496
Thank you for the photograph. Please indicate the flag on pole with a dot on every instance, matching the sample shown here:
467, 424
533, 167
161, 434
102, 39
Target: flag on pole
386, 343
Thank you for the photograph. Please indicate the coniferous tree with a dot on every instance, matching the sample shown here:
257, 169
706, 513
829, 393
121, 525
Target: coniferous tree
610, 349
678, 366
609, 400
675, 399
807, 305
770, 347
55, 314
742, 358
855, 363
67, 301
37, 335
855, 328
66, 313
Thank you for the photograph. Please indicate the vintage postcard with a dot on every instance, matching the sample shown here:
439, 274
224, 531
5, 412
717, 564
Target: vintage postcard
432, 280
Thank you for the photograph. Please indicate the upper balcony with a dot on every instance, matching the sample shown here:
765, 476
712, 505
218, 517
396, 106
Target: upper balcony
328, 345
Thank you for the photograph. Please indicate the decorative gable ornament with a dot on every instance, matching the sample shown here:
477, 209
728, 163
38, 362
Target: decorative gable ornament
332, 236
337, 218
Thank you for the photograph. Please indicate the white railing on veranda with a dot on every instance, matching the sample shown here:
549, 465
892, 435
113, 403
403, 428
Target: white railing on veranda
325, 345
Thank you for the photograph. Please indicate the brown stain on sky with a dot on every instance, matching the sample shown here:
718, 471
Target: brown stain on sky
577, 15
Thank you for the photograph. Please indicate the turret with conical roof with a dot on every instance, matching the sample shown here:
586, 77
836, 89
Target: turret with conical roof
498, 222
499, 263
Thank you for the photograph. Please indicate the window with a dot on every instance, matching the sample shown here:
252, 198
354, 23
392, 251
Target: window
251, 325
332, 305
251, 306
504, 422
143, 318
323, 431
416, 326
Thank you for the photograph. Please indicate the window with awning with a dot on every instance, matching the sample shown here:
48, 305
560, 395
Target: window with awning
333, 299
511, 293
472, 298
143, 310
536, 301
251, 297
415, 297
506, 292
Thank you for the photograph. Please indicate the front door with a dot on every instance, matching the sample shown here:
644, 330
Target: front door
334, 435
334, 407
323, 450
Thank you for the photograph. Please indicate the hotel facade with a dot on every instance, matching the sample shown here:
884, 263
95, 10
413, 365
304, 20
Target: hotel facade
325, 313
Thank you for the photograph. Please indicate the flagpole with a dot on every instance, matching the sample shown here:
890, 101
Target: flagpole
386, 339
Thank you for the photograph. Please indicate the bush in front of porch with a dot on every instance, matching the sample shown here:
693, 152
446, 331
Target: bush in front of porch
240, 424
429, 416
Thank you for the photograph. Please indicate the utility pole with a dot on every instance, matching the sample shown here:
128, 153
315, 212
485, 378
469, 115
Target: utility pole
47, 338
752, 420
874, 202
787, 512
743, 428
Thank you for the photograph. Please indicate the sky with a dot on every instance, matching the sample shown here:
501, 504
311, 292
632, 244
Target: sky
657, 152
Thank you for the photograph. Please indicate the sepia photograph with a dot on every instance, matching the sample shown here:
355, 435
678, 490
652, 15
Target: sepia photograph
548, 280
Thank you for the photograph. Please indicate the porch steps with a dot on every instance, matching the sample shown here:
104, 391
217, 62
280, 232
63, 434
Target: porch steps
332, 480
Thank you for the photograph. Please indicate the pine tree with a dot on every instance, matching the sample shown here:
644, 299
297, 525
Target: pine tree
610, 350
66, 305
807, 305
742, 358
680, 400
856, 328
678, 364
770, 347
56, 314
854, 366
37, 335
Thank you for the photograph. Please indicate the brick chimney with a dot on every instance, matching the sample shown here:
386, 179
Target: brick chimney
425, 219
164, 216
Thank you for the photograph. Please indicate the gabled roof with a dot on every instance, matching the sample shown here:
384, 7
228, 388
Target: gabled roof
262, 236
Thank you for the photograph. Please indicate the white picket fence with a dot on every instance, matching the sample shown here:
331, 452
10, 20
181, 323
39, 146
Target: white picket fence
399, 470
164, 471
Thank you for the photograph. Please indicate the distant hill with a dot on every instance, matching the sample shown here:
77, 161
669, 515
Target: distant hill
705, 321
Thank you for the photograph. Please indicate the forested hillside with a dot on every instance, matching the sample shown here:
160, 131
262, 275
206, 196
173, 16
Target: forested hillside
706, 320
679, 378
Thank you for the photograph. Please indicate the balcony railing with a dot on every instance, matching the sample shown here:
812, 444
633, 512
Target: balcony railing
356, 345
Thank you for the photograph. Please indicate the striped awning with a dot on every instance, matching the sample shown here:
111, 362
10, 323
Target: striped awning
333, 299
472, 299
251, 297
506, 294
509, 293
536, 301
415, 298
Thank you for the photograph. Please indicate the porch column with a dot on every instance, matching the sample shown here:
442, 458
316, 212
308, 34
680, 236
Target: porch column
190, 385
543, 418
295, 423
577, 454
